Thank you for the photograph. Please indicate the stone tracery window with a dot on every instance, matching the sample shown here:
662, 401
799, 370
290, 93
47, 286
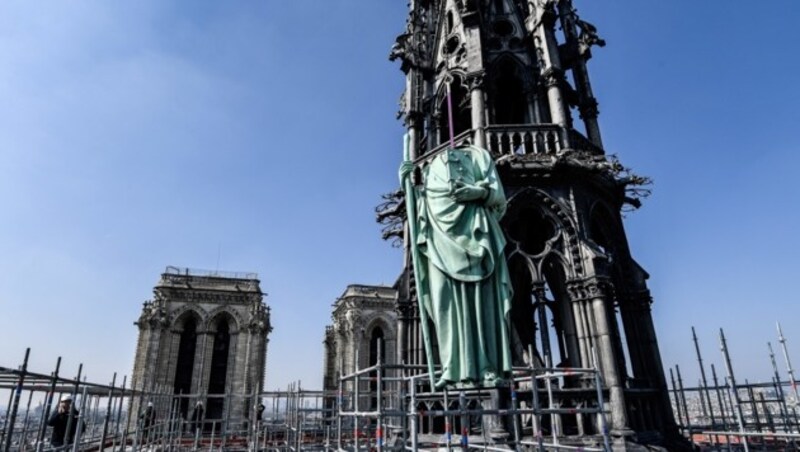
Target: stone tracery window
462, 110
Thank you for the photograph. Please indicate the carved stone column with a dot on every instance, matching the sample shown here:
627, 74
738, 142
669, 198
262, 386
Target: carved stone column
198, 371
478, 106
340, 343
597, 291
140, 362
587, 104
158, 321
582, 328
532, 97
207, 353
233, 377
357, 340
593, 293
414, 127
174, 349
642, 316
435, 130
589, 112
541, 22
258, 327
403, 322
639, 306
420, 356
552, 79
167, 353
150, 354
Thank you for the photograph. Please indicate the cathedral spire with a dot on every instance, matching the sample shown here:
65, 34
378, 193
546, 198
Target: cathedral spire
503, 63
516, 74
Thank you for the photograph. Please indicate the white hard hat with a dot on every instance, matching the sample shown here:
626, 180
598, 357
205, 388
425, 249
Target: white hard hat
66, 398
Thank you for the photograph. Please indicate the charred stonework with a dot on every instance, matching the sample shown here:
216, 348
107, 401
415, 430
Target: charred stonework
204, 334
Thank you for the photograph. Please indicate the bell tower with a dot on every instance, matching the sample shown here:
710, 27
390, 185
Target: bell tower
514, 76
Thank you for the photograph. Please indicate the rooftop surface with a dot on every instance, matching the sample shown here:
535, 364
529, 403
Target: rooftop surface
189, 278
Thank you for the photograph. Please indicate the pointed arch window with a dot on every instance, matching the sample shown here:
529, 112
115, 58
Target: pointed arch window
377, 347
187, 345
510, 103
219, 369
449, 19
462, 111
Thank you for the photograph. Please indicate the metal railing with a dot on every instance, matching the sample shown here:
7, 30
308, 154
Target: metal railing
113, 416
379, 407
399, 411
388, 407
182, 271
95, 417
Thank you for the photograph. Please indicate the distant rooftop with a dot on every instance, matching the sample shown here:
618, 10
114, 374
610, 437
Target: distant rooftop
363, 290
193, 279
183, 271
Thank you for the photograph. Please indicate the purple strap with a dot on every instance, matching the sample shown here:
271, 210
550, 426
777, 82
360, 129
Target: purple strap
450, 116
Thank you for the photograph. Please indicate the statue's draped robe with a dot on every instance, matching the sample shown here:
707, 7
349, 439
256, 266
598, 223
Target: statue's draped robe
464, 282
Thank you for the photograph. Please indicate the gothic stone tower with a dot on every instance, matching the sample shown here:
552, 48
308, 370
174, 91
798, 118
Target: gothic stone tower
204, 334
517, 74
364, 325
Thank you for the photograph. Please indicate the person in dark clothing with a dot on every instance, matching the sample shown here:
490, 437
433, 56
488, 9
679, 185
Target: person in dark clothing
147, 419
65, 416
197, 417
259, 411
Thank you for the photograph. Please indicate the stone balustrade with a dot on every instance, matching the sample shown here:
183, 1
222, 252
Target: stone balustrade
525, 139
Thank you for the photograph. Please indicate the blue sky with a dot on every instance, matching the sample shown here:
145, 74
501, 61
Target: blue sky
259, 136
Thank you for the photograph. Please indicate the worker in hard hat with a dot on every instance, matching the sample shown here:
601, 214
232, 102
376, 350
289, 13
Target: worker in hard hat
66, 416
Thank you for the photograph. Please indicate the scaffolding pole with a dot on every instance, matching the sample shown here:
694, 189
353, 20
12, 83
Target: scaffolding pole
733, 389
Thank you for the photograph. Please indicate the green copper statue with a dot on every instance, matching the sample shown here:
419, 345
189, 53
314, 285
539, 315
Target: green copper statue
463, 284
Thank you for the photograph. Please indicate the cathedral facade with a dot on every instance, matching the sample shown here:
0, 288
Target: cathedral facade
202, 337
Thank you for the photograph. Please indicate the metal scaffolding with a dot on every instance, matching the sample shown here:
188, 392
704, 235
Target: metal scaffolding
392, 407
101, 419
730, 415
381, 407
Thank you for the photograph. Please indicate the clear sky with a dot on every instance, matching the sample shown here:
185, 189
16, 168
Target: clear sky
259, 136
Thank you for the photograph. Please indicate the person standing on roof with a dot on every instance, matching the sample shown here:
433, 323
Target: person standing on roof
147, 419
197, 417
66, 416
